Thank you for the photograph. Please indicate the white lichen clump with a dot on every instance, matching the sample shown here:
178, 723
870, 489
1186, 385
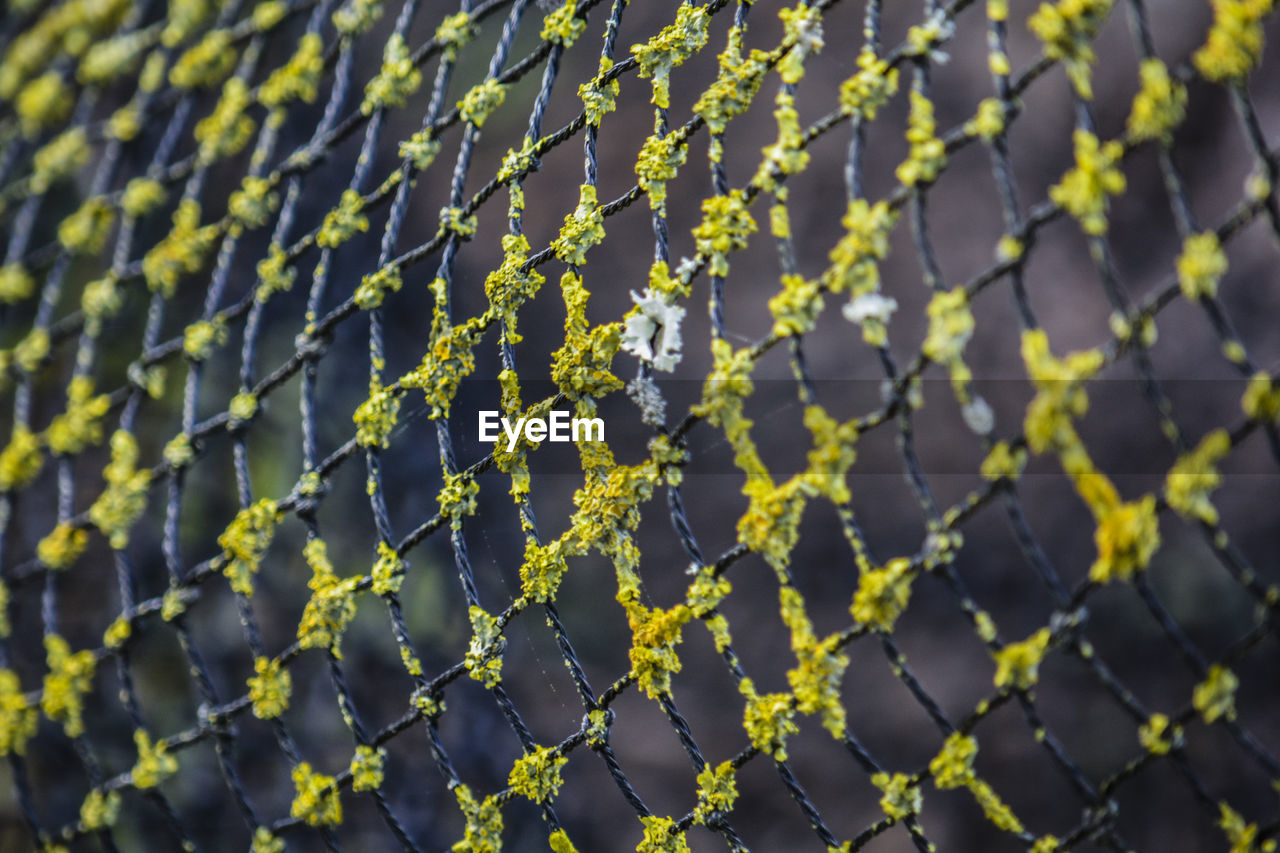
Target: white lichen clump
978, 416
869, 306
652, 333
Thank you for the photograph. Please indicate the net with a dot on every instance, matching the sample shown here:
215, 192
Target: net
946, 523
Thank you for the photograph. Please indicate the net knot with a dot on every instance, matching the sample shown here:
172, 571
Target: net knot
312, 346
596, 725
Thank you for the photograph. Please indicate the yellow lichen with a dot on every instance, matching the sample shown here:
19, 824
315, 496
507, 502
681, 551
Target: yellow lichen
125, 496
1018, 664
1261, 401
62, 547
1215, 697
316, 802
726, 225
661, 835
717, 790
1127, 536
388, 571
398, 79
1194, 476
205, 64
269, 688
201, 337
245, 541
43, 103
483, 833
367, 768
927, 155
332, 605
181, 251
670, 48
768, 720
1201, 265
1067, 29
16, 284
883, 594
154, 764
69, 680
454, 32
901, 798
1235, 41
952, 767
343, 221
1159, 735
582, 229
99, 810
85, 231
1084, 190
18, 720
536, 775
1159, 106
251, 205
297, 79
141, 196
265, 842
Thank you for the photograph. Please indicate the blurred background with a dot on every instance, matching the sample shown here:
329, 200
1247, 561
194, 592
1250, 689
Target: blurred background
1156, 809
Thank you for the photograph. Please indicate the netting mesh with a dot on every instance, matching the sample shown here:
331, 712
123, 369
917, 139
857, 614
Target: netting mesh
229, 626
